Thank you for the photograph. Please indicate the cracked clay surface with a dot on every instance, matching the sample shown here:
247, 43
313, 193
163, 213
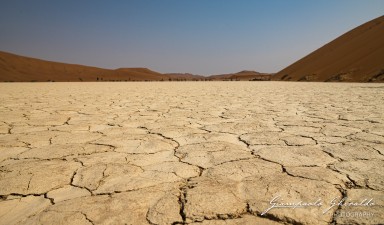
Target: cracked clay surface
209, 153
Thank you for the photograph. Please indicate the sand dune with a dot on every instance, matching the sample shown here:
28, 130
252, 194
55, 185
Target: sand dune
185, 76
15, 68
19, 68
244, 75
141, 74
356, 56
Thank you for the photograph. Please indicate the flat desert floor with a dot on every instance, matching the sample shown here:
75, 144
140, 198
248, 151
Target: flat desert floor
191, 153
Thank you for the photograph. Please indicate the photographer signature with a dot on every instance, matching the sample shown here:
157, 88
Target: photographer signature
277, 202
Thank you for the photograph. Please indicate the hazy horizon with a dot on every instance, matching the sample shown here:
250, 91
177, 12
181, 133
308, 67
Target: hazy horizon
199, 37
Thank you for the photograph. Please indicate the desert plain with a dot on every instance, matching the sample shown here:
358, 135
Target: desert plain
207, 153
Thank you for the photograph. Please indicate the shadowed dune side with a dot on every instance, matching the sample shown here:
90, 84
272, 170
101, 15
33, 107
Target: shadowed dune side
356, 56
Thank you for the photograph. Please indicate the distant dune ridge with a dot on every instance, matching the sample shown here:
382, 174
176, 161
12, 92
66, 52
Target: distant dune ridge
356, 56
15, 68
19, 68
187, 76
244, 76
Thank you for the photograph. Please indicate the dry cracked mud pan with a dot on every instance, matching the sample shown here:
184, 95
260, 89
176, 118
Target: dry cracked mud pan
212, 153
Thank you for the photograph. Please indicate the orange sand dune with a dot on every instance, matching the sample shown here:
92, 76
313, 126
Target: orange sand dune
356, 56
141, 74
15, 68
19, 68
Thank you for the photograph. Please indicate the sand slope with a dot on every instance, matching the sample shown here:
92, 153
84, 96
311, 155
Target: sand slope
15, 68
356, 56
19, 68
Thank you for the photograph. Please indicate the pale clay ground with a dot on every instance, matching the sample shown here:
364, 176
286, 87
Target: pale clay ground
209, 153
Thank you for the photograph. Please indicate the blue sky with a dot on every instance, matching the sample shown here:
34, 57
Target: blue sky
196, 36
